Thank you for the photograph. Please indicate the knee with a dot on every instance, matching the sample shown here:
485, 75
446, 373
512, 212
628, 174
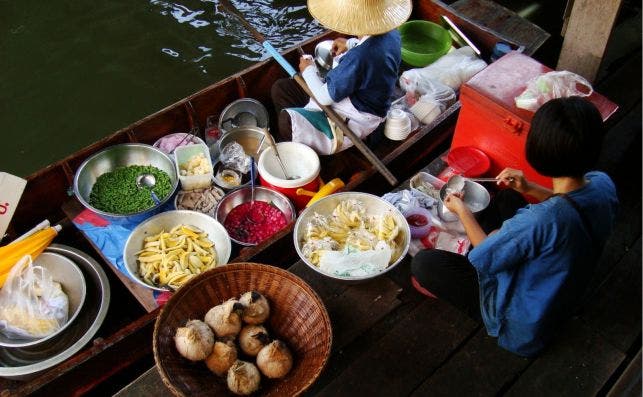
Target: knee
277, 90
422, 263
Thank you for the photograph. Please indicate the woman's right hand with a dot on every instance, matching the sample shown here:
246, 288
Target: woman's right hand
339, 46
514, 179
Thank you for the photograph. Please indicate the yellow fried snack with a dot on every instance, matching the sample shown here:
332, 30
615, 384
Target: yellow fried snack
172, 258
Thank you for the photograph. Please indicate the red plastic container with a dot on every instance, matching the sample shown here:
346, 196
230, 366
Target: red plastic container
490, 121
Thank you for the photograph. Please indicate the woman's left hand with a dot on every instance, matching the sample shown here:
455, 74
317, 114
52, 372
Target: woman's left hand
454, 203
304, 62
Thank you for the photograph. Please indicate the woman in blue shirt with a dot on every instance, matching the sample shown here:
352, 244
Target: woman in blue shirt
359, 88
525, 278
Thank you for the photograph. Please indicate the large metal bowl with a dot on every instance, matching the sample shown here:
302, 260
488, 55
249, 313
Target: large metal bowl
29, 362
121, 156
244, 112
252, 139
374, 206
166, 221
64, 271
476, 197
244, 195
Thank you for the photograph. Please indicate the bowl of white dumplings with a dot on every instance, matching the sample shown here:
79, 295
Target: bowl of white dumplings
352, 236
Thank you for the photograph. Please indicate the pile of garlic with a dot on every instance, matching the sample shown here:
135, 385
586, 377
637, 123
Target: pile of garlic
232, 324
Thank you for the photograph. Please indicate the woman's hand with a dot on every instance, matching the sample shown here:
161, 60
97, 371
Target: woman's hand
304, 62
453, 201
339, 46
514, 179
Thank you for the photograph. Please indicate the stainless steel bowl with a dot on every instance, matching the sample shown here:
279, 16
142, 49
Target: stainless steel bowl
29, 362
476, 197
374, 206
324, 55
166, 221
121, 156
244, 195
252, 139
64, 271
244, 112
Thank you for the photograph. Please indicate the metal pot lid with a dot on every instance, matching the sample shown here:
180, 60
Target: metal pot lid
244, 112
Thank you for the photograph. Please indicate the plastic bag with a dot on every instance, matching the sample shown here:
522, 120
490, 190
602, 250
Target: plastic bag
552, 85
452, 70
32, 305
233, 156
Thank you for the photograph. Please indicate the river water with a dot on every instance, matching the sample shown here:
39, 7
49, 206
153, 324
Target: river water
74, 71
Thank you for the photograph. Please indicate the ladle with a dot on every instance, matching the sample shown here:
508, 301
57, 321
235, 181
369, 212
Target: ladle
456, 182
251, 216
272, 144
148, 181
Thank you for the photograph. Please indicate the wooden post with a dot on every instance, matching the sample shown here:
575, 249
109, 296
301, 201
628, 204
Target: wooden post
586, 35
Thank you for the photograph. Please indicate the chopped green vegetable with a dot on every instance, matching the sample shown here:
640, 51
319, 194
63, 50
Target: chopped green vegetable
116, 191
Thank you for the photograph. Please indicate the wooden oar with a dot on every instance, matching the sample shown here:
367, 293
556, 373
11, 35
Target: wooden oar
359, 144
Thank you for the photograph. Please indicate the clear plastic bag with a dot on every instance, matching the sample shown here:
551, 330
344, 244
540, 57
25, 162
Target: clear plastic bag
32, 305
452, 70
552, 85
233, 156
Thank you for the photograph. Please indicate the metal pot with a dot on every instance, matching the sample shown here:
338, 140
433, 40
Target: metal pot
476, 197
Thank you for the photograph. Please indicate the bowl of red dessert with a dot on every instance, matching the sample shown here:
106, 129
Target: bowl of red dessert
249, 223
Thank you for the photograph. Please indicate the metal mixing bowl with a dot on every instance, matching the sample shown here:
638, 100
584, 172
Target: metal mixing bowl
70, 277
29, 362
244, 194
324, 54
166, 221
252, 139
476, 197
374, 206
244, 112
121, 156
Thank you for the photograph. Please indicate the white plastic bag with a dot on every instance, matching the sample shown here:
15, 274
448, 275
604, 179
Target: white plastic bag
32, 305
452, 70
552, 85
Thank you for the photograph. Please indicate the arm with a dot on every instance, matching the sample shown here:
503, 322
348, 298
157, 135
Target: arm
319, 89
471, 226
517, 181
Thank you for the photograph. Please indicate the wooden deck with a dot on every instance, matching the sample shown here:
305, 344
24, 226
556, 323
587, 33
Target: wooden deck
391, 341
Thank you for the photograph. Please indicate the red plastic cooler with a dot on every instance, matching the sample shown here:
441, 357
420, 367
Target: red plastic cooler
489, 119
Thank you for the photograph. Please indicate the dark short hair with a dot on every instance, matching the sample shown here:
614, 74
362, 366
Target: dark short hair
565, 137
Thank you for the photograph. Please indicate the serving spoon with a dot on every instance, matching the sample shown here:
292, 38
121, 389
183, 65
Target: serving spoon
273, 145
148, 181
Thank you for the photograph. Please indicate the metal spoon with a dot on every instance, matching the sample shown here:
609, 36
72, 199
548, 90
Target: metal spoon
148, 181
272, 144
252, 216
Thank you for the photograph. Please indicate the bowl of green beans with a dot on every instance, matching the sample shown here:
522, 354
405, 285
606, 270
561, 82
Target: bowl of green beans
105, 183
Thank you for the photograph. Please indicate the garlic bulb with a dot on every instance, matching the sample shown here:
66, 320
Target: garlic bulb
256, 308
252, 338
225, 319
195, 340
274, 360
223, 355
243, 378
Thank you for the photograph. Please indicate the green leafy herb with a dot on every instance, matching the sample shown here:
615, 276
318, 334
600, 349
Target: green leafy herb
116, 191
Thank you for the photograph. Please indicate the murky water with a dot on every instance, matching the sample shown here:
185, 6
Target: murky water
72, 72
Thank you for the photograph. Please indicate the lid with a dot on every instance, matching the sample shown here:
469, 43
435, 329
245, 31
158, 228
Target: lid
244, 112
468, 161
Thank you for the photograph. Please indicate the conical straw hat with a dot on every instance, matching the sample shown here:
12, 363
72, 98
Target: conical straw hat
360, 17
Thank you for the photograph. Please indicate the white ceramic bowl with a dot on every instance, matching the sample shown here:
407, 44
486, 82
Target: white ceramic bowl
166, 221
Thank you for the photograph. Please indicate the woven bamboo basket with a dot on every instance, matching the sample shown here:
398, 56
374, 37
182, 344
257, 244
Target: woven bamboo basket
298, 317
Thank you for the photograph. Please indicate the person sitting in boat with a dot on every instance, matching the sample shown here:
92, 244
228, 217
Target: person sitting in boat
525, 278
359, 88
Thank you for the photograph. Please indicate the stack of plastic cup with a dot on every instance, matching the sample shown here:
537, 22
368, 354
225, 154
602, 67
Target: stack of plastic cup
398, 125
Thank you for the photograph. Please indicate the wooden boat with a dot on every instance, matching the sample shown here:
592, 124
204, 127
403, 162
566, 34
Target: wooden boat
123, 343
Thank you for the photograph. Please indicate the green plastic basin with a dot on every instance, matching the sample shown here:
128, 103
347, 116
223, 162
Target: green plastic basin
423, 42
